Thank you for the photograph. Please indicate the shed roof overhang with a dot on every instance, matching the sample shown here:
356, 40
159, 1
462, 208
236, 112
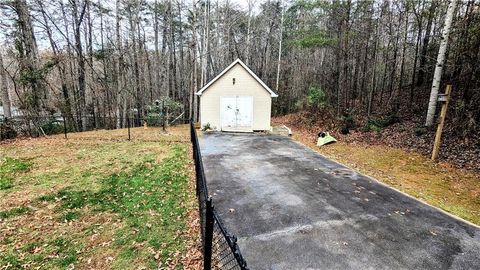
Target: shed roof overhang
238, 61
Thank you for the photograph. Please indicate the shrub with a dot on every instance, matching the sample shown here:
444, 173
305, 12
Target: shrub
206, 127
52, 126
155, 112
380, 123
348, 122
374, 125
299, 105
154, 119
390, 119
316, 97
419, 131
7, 131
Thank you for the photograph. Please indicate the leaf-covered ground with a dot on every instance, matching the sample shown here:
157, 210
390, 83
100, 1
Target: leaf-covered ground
408, 133
442, 184
98, 201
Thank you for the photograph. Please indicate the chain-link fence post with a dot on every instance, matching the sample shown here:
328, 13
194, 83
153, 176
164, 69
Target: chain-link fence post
128, 126
64, 126
207, 251
220, 249
164, 114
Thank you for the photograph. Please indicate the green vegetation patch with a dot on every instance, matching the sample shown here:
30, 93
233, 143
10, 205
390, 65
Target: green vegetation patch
10, 261
120, 205
5, 182
9, 168
65, 251
379, 124
62, 254
12, 165
52, 126
70, 215
13, 212
317, 39
150, 199
316, 97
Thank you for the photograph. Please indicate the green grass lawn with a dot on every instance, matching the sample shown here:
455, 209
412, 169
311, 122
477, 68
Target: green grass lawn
97, 201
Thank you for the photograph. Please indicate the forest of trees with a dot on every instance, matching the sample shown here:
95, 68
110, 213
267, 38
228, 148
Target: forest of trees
112, 58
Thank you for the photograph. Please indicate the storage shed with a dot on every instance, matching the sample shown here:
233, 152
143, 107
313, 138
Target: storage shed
236, 100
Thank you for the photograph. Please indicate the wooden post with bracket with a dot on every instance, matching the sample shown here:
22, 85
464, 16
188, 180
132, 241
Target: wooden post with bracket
444, 99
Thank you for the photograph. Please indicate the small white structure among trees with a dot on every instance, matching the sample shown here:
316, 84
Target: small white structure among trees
236, 100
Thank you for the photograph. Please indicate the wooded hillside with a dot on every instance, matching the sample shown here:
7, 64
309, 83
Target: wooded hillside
355, 58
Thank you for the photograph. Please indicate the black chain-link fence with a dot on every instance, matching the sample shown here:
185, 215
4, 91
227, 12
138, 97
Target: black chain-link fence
220, 249
37, 126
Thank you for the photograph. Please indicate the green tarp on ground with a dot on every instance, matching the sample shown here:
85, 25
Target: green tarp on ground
325, 138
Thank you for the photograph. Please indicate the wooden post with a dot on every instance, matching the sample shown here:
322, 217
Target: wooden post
445, 99
128, 126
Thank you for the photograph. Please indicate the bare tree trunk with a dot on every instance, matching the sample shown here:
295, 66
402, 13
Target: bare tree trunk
426, 41
78, 19
156, 65
118, 64
151, 79
173, 58
140, 67
396, 102
89, 37
7, 111
374, 75
394, 65
107, 100
194, 98
432, 104
415, 57
165, 75
69, 76
181, 70
205, 44
250, 8
67, 110
30, 63
280, 46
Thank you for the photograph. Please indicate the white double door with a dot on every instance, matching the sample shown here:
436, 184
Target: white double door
236, 113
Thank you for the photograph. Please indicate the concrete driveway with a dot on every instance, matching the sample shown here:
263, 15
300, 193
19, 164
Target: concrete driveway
294, 209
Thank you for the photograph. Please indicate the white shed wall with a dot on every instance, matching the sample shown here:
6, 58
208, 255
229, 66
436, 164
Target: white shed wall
245, 85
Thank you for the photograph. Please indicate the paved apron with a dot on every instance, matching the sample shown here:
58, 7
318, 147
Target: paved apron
291, 208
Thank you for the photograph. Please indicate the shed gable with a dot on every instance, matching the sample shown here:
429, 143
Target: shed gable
230, 68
